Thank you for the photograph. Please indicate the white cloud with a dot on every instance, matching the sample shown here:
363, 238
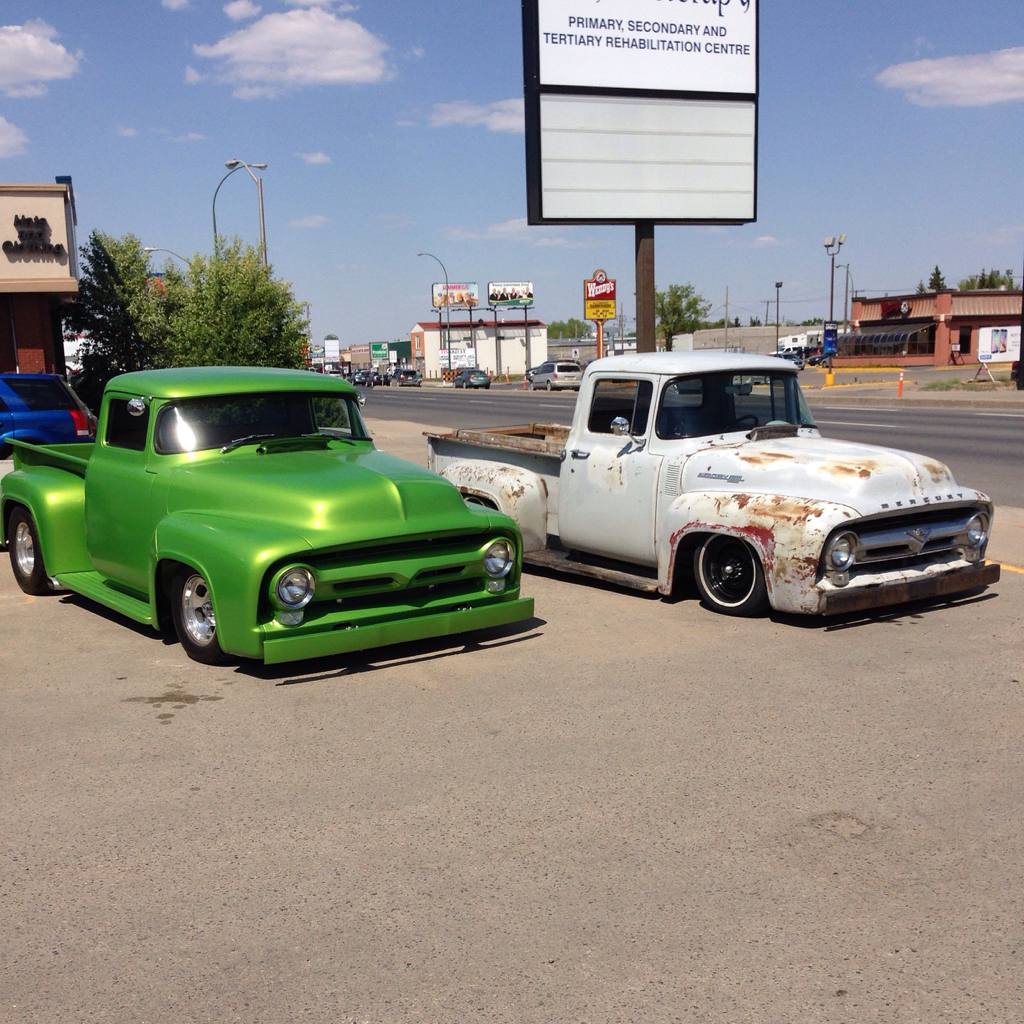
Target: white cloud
12, 139
174, 5
190, 137
297, 48
316, 220
191, 75
502, 116
239, 10
128, 133
405, 124
29, 58
975, 80
314, 158
516, 230
764, 242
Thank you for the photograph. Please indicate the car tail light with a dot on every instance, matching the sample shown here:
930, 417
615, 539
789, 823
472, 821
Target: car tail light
81, 422
554, 376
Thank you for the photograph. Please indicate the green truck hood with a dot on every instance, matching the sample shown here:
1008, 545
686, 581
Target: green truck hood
328, 498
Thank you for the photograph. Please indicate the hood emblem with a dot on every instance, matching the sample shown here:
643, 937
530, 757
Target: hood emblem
920, 534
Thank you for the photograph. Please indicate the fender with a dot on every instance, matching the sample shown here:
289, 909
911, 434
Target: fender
517, 492
56, 499
234, 556
788, 535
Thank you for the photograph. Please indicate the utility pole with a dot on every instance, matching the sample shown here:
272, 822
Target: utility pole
726, 318
778, 288
1020, 361
645, 317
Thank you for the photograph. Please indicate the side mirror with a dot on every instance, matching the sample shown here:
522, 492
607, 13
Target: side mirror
620, 426
362, 401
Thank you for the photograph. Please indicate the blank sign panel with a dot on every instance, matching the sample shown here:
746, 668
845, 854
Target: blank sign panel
629, 159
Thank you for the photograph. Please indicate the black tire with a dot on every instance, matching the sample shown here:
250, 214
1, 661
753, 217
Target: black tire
547, 385
194, 621
26, 553
730, 577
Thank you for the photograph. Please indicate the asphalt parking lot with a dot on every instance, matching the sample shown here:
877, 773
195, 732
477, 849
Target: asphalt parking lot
628, 809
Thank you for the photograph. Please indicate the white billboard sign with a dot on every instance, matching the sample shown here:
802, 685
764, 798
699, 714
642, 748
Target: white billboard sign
999, 344
698, 46
641, 110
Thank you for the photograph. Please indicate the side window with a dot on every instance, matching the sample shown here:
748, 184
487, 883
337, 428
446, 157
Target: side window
629, 399
125, 430
681, 406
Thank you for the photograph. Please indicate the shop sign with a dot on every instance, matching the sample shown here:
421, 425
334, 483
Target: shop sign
830, 337
379, 352
455, 296
999, 344
504, 294
599, 297
359, 350
316, 351
33, 238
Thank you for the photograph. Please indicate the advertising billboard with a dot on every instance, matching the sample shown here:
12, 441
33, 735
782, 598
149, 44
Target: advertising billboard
379, 352
641, 110
599, 297
503, 294
455, 296
999, 344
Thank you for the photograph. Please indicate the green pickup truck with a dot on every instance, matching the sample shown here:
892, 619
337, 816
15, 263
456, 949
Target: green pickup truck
248, 510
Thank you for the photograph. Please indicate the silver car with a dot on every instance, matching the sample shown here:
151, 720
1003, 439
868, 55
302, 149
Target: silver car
558, 375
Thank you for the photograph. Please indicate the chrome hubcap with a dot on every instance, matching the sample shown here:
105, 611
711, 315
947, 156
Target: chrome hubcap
24, 550
197, 611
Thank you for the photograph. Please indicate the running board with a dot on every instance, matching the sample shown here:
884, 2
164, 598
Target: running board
564, 561
97, 588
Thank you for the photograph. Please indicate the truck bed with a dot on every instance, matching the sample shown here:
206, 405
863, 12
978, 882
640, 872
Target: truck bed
72, 457
542, 438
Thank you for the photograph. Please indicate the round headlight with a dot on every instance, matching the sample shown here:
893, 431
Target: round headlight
498, 558
295, 588
842, 552
977, 531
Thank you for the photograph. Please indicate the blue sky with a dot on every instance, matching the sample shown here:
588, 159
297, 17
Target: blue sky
392, 127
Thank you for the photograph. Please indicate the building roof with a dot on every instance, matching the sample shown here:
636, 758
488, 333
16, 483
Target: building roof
692, 362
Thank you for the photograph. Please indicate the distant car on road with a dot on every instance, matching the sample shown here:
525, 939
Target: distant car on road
530, 372
794, 357
408, 379
472, 379
366, 378
41, 408
553, 376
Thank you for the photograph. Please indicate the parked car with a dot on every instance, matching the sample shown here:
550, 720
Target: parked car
794, 357
408, 379
817, 359
366, 378
530, 372
472, 379
248, 510
709, 466
40, 407
1014, 370
553, 376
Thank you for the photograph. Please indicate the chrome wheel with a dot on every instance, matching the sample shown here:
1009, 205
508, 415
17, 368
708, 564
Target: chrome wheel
197, 611
24, 549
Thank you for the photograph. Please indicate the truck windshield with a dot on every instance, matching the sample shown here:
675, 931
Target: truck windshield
199, 424
718, 403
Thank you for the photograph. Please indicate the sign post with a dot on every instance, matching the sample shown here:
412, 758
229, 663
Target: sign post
510, 295
599, 304
646, 116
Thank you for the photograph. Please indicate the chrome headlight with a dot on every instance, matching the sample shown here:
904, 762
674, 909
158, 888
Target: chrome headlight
977, 531
499, 558
842, 552
295, 588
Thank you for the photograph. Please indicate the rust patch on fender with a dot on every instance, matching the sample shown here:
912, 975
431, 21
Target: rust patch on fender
936, 470
765, 458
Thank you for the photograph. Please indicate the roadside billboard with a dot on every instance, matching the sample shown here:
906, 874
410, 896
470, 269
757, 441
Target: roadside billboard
504, 294
599, 297
649, 114
378, 352
999, 344
455, 296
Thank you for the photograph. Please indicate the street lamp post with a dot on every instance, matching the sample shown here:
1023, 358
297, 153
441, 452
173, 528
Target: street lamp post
232, 166
832, 247
778, 288
447, 307
846, 295
160, 248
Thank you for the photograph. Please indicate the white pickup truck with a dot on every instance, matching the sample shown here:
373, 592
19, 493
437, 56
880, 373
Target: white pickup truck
709, 465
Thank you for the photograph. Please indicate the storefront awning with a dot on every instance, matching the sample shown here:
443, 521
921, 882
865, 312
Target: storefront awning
895, 333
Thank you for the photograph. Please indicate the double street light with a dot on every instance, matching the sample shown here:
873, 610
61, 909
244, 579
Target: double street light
160, 248
232, 166
832, 247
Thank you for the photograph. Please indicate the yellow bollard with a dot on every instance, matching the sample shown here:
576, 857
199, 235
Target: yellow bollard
830, 379
899, 393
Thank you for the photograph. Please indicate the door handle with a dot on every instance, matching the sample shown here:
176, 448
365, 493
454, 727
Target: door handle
577, 454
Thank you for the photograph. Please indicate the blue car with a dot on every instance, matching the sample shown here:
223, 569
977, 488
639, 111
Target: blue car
40, 407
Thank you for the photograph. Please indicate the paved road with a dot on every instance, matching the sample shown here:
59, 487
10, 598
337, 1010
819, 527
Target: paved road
985, 449
629, 810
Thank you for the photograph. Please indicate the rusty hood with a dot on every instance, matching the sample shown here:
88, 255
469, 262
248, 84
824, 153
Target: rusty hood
867, 478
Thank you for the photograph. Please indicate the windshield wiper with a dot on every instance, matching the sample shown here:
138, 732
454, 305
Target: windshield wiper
239, 441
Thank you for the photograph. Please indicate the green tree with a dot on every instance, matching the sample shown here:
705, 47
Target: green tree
119, 310
755, 321
680, 310
571, 328
813, 322
227, 310
987, 279
921, 288
936, 283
